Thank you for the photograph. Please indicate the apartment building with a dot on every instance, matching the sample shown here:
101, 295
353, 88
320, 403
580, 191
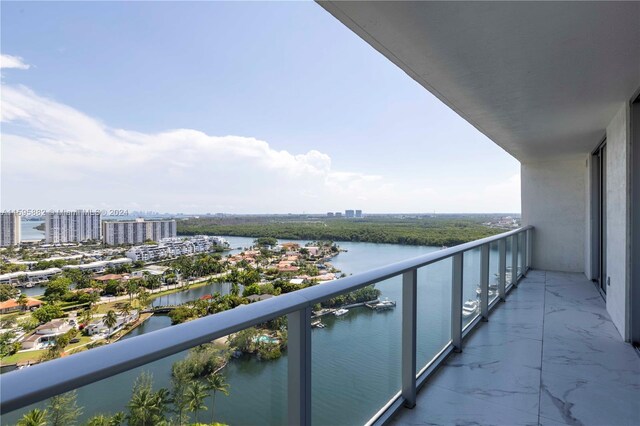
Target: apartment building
174, 247
9, 229
137, 231
71, 226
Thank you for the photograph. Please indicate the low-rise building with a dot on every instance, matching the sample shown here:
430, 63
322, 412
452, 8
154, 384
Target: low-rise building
148, 252
29, 277
46, 334
155, 270
98, 326
174, 247
100, 265
12, 305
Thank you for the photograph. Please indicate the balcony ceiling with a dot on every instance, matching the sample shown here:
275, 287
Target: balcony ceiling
540, 79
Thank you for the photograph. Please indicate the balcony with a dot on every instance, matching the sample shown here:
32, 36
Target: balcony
546, 82
549, 355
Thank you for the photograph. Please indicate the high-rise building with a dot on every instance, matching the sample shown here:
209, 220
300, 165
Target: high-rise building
349, 213
9, 229
330, 214
68, 226
137, 231
359, 213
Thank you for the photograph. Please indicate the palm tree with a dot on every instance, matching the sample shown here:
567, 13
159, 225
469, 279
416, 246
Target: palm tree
132, 288
216, 383
143, 297
98, 420
117, 419
125, 309
110, 320
143, 407
22, 301
196, 393
86, 316
35, 417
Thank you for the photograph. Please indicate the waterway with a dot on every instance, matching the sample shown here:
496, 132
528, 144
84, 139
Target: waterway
28, 231
355, 359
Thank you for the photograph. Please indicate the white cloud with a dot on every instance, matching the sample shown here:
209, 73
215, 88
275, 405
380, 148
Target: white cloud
66, 159
8, 61
54, 156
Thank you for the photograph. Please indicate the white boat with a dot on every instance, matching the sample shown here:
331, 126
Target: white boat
318, 324
340, 312
469, 308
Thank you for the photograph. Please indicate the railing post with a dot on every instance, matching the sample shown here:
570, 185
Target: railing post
524, 253
456, 302
484, 282
514, 260
299, 367
502, 269
409, 323
529, 247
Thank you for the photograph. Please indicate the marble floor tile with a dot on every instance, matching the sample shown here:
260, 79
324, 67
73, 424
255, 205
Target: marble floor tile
581, 401
441, 406
550, 355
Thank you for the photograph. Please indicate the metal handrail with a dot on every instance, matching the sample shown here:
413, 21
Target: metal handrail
41, 381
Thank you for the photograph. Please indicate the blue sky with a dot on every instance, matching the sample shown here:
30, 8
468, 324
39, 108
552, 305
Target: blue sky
227, 107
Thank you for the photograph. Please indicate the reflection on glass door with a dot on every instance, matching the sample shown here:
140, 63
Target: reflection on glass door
600, 193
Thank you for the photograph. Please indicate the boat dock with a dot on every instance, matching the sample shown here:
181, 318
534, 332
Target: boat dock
376, 304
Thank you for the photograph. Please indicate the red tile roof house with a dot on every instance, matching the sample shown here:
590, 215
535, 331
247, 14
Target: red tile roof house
12, 305
109, 277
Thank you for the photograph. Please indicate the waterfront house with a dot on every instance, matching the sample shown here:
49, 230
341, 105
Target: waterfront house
109, 277
313, 251
12, 305
290, 247
97, 326
156, 270
45, 334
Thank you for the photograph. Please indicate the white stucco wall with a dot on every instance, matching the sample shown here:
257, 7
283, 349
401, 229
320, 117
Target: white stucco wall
618, 236
554, 201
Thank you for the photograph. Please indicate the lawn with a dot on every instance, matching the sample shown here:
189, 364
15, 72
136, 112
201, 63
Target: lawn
22, 357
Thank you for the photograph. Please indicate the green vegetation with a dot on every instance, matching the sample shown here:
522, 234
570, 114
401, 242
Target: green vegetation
47, 312
62, 410
147, 406
7, 348
6, 267
432, 231
7, 292
364, 294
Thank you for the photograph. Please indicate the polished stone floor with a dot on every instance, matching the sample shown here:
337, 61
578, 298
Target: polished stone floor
550, 355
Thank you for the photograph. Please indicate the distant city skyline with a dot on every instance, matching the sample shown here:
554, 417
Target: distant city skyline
238, 108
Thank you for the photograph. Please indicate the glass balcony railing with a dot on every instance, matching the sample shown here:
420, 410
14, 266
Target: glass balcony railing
180, 373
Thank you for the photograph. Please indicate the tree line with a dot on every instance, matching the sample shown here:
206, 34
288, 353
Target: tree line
425, 231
